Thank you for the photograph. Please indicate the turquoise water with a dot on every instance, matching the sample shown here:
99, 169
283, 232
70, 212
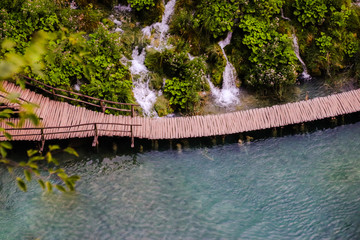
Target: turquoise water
294, 187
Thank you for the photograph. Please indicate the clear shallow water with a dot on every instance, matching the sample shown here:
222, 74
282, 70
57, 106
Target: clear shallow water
295, 187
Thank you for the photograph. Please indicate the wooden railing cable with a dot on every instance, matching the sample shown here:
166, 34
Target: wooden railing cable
102, 103
96, 130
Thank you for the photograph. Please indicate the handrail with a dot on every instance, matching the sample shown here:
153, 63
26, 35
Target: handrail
95, 129
102, 102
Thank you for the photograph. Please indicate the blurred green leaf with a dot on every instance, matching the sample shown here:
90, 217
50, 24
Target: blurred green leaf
53, 147
27, 175
31, 152
21, 184
71, 151
36, 158
41, 183
6, 145
60, 188
49, 186
3, 152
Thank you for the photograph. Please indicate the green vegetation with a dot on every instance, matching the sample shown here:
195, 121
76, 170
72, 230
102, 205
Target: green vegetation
32, 169
84, 47
81, 48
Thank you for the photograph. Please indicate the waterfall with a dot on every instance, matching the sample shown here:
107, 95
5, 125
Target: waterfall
191, 57
304, 75
229, 93
122, 8
142, 93
161, 27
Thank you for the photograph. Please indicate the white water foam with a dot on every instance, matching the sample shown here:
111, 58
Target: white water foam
142, 93
122, 8
73, 5
305, 75
191, 57
161, 27
229, 94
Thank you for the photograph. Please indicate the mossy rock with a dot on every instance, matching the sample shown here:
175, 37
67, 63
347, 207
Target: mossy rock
217, 63
162, 106
156, 81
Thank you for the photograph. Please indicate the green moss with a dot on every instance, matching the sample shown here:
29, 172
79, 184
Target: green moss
216, 62
162, 106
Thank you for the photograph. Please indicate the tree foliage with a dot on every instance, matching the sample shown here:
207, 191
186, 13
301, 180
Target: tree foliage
11, 64
141, 4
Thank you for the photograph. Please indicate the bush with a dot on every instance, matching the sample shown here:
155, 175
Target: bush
216, 16
272, 61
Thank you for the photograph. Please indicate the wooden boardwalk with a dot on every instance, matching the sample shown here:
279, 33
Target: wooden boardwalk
81, 122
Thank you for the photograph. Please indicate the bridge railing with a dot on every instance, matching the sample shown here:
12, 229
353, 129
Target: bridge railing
95, 128
102, 104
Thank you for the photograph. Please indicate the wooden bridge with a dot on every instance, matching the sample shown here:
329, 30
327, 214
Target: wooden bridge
61, 120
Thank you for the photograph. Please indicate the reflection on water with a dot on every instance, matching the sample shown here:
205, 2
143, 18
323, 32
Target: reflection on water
295, 187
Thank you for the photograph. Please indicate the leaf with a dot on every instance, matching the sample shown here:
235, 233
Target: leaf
71, 151
74, 178
49, 157
5, 161
36, 171
8, 135
31, 152
63, 176
10, 124
21, 184
34, 119
41, 183
3, 152
70, 185
27, 175
49, 186
53, 147
6, 145
36, 158
60, 188
8, 44
12, 97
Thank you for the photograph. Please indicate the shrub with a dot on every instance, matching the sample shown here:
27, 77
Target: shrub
272, 61
216, 16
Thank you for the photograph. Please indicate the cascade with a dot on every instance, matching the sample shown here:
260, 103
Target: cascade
304, 75
73, 5
123, 8
161, 27
229, 93
142, 93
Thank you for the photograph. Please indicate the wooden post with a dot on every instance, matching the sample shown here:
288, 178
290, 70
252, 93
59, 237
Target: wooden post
131, 128
302, 128
95, 142
213, 140
54, 94
132, 111
156, 145
42, 140
274, 132
170, 144
103, 107
132, 137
